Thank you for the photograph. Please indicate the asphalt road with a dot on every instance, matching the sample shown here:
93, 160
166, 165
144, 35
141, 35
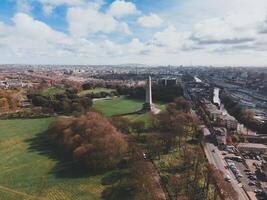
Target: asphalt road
217, 160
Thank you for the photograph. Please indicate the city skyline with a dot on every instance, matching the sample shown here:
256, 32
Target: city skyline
176, 32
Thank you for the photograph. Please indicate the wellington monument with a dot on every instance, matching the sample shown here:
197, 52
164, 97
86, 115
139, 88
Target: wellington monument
148, 106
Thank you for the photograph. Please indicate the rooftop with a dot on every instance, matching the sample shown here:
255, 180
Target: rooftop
252, 145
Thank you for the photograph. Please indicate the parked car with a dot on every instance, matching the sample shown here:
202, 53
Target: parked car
251, 183
253, 178
227, 178
258, 191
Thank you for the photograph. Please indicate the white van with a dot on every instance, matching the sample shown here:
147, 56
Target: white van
227, 178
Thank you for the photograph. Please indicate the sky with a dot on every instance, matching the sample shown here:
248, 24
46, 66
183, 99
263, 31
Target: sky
153, 32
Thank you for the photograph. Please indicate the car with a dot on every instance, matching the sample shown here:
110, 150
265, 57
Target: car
227, 178
144, 155
251, 183
252, 178
247, 170
239, 175
257, 190
230, 162
224, 154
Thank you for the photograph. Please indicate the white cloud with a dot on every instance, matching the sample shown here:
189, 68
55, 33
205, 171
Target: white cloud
235, 27
223, 31
50, 5
170, 39
34, 29
60, 2
23, 6
120, 8
85, 21
150, 21
124, 28
135, 47
47, 10
4, 30
30, 39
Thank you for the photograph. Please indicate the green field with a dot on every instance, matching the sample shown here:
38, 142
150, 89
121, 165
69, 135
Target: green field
29, 171
95, 90
118, 105
125, 106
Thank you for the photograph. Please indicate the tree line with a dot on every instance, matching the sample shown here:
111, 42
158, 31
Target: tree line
9, 101
159, 92
64, 103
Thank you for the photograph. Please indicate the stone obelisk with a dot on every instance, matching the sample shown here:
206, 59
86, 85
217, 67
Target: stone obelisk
148, 105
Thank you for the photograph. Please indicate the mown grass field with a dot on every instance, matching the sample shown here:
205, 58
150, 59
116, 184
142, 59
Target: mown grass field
125, 106
96, 90
122, 105
26, 173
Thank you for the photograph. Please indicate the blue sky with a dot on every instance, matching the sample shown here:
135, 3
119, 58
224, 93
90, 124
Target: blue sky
221, 32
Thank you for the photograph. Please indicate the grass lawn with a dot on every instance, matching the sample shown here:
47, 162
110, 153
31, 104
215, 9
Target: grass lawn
96, 90
122, 105
52, 91
26, 172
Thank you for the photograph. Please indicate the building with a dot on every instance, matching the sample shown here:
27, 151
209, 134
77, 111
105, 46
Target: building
220, 135
227, 121
169, 81
252, 147
212, 111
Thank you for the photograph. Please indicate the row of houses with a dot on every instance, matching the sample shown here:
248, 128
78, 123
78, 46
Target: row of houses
218, 117
13, 84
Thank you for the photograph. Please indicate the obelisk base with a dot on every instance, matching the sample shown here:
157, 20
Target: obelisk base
148, 106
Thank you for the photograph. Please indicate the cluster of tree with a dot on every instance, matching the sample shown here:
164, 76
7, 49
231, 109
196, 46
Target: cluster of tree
68, 102
244, 116
176, 124
127, 126
159, 92
179, 108
96, 95
190, 181
100, 84
145, 180
9, 101
223, 188
90, 140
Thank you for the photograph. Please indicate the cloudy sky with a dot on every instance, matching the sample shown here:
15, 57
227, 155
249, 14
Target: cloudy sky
188, 32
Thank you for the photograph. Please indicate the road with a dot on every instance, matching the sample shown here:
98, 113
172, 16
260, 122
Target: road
217, 160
